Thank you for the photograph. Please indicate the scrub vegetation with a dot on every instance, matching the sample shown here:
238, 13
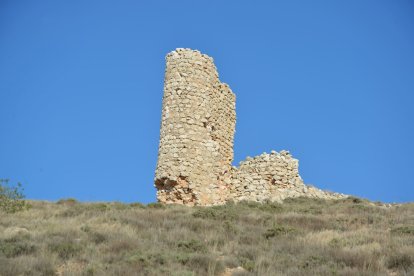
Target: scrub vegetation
299, 237
11, 197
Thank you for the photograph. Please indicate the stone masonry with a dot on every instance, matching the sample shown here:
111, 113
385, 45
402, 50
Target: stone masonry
196, 144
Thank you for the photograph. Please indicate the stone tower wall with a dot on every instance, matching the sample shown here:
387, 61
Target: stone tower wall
197, 130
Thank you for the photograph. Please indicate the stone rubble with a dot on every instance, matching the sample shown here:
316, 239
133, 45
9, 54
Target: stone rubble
196, 144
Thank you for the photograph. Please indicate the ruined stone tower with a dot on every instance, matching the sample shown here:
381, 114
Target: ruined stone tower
196, 144
197, 130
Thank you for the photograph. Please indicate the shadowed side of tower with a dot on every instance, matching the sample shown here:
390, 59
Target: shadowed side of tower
197, 132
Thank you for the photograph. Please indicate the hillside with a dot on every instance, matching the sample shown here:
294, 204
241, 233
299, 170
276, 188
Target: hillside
300, 237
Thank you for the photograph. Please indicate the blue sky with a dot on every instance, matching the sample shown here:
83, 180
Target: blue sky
81, 86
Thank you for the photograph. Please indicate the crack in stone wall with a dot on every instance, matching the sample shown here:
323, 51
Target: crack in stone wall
196, 143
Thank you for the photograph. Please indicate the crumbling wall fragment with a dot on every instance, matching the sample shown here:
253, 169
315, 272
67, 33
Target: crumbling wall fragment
265, 177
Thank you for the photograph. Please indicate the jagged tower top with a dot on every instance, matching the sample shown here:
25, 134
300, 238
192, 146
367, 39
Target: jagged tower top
188, 53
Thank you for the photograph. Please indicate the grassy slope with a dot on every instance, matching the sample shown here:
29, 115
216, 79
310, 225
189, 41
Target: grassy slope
300, 237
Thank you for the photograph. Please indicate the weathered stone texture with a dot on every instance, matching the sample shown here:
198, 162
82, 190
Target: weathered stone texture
197, 130
271, 177
265, 176
196, 143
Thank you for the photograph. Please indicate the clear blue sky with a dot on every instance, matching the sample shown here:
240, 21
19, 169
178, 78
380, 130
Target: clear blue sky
81, 86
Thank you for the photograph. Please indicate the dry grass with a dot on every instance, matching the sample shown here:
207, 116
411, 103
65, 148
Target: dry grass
300, 237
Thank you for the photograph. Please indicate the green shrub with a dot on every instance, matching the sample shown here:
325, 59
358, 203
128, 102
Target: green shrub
204, 264
354, 199
73, 211
149, 260
272, 207
12, 248
407, 230
158, 258
216, 212
247, 263
137, 205
230, 228
156, 205
336, 243
94, 236
313, 261
306, 222
86, 228
11, 198
314, 210
401, 261
119, 206
90, 271
97, 237
100, 207
362, 207
66, 249
304, 201
278, 230
192, 246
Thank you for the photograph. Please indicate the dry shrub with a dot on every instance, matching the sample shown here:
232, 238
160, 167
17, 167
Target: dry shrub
309, 222
401, 261
403, 230
192, 246
278, 230
205, 264
65, 249
67, 202
13, 248
216, 213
